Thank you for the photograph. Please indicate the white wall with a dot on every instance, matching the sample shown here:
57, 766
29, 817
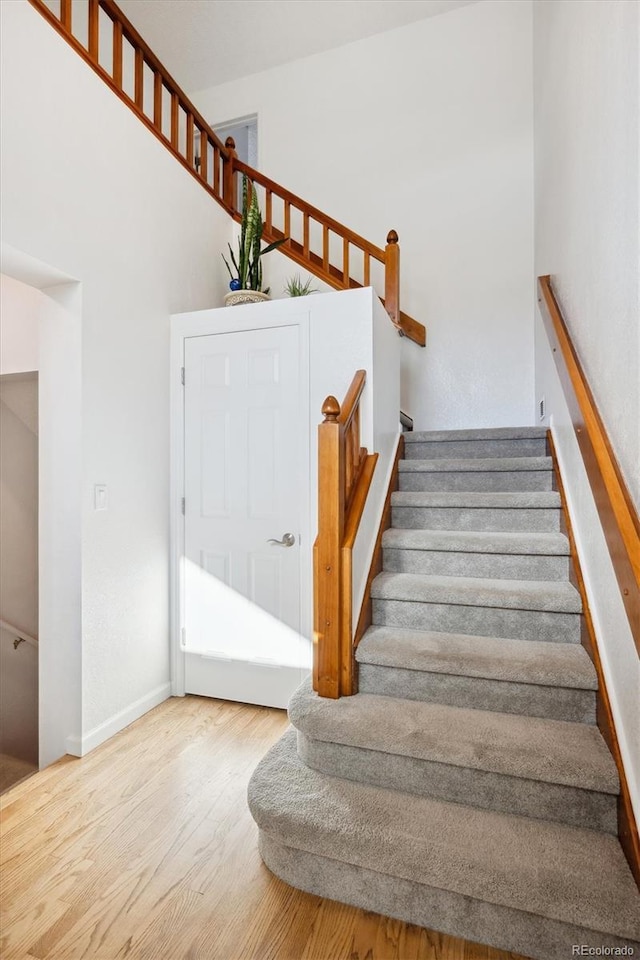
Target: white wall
18, 326
619, 657
383, 383
587, 213
586, 129
427, 129
61, 647
89, 191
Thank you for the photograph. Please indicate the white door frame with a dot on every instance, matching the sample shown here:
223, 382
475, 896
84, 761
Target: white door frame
278, 313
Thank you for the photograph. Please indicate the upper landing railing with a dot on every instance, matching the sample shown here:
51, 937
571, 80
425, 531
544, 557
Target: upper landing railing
101, 34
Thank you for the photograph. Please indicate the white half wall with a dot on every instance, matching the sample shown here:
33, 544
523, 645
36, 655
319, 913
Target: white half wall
340, 332
587, 170
88, 190
384, 384
426, 129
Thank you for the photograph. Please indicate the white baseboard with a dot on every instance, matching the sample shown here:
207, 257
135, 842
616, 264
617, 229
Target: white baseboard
80, 746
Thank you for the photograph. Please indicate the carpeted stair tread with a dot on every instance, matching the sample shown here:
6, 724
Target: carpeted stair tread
534, 595
530, 500
477, 541
13, 770
466, 787
476, 465
492, 433
478, 921
552, 751
492, 658
551, 870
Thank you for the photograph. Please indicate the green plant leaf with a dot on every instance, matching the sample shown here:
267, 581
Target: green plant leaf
227, 266
274, 246
247, 264
296, 288
233, 259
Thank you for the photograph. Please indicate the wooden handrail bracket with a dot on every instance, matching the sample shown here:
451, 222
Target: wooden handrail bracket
619, 518
215, 165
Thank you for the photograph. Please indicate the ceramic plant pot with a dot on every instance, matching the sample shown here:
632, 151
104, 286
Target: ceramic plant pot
236, 297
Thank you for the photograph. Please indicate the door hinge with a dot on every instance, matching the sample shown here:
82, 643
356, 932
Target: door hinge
182, 376
182, 505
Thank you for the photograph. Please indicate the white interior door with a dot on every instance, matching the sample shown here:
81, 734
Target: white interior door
242, 515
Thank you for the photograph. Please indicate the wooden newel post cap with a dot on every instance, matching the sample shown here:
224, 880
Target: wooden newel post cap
230, 143
330, 410
392, 237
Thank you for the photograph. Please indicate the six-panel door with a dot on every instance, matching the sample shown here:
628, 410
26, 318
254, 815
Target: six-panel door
242, 490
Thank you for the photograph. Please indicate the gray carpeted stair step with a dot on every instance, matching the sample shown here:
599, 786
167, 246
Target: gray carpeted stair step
515, 609
478, 701
535, 512
509, 556
13, 770
546, 769
483, 433
458, 444
476, 474
525, 885
526, 677
518, 661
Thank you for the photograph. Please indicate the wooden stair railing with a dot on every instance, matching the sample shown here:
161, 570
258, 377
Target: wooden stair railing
619, 517
345, 471
620, 525
329, 250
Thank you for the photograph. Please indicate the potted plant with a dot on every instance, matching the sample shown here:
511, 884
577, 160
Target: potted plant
296, 287
246, 276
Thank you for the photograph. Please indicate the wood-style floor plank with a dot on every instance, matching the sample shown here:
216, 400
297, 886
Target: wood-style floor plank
145, 850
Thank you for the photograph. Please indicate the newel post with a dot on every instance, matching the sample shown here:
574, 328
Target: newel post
327, 553
392, 277
229, 194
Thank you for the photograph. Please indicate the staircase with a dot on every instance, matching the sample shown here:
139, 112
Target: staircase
465, 787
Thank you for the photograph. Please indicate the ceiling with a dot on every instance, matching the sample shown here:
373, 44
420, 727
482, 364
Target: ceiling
203, 43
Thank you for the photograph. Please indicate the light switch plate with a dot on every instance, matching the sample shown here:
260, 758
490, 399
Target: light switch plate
100, 496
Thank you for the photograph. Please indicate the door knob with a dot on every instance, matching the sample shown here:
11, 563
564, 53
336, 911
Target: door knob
288, 540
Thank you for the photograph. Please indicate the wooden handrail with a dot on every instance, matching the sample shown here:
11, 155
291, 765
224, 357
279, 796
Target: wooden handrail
352, 397
18, 634
618, 515
345, 472
130, 33
313, 212
215, 165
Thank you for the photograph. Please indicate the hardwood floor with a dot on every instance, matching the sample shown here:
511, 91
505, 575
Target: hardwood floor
145, 850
